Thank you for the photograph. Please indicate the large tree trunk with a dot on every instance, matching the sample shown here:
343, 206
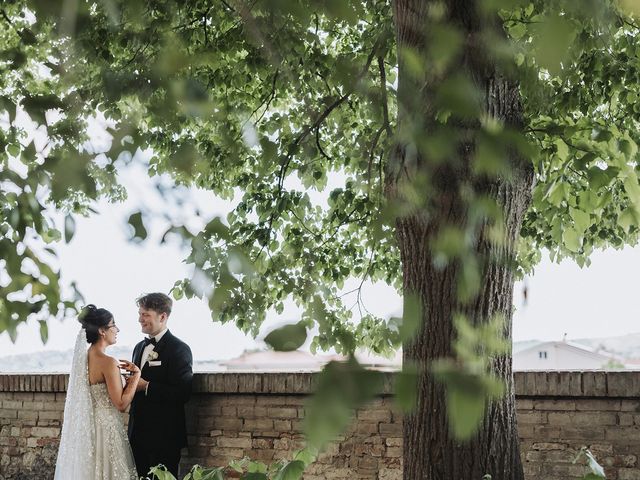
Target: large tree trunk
430, 451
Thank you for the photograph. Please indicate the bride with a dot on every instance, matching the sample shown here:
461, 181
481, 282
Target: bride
95, 397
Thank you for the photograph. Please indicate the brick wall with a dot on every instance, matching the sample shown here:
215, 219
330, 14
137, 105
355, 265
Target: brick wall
260, 415
560, 412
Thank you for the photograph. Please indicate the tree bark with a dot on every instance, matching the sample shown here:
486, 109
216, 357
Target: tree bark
430, 451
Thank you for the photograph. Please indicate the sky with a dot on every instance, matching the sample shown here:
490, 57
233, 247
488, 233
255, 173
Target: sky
596, 301
111, 271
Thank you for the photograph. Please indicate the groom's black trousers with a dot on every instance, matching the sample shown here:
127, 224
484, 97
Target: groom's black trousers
146, 458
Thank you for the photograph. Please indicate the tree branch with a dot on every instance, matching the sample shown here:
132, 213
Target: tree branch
359, 300
310, 128
386, 127
7, 19
141, 49
385, 99
344, 222
372, 151
303, 224
245, 14
626, 21
228, 6
269, 99
305, 132
320, 146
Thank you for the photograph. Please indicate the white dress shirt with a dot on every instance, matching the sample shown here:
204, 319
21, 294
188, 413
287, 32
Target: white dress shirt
147, 350
150, 347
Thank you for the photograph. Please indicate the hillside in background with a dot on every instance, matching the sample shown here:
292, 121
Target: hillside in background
54, 361
626, 347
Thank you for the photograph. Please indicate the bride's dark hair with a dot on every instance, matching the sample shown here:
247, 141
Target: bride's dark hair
92, 319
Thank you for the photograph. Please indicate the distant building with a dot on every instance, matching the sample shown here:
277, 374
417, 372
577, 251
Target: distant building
561, 356
271, 361
300, 361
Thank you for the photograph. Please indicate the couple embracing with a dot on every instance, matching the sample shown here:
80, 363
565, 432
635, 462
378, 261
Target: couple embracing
94, 444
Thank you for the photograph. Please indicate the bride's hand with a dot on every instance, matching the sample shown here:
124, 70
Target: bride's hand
130, 367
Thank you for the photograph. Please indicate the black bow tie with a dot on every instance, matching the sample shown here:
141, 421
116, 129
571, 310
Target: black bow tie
151, 341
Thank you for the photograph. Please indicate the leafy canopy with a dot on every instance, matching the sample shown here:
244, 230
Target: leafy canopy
269, 101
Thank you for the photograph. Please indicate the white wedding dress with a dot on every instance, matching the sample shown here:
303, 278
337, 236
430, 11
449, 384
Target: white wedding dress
114, 460
93, 443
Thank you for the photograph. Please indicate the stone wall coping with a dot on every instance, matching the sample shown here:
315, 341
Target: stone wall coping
596, 383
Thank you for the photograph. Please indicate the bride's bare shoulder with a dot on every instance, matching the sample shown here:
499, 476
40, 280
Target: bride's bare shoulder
110, 361
104, 361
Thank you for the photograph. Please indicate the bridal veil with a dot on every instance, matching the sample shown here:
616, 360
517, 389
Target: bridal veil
76, 455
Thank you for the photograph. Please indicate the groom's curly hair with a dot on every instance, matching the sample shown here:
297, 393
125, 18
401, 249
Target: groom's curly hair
158, 302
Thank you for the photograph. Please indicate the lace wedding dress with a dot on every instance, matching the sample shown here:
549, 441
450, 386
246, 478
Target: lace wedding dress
93, 443
114, 460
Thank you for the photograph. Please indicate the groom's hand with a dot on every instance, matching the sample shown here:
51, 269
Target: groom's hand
142, 385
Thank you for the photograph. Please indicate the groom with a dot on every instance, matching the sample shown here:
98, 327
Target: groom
156, 419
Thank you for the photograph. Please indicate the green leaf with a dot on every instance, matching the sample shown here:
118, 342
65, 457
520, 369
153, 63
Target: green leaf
44, 331
406, 388
212, 474
411, 316
216, 229
269, 148
70, 173
287, 338
460, 96
467, 411
627, 219
69, 228
581, 220
341, 388
185, 158
553, 38
467, 396
290, 471
161, 473
307, 455
51, 235
557, 193
602, 135
518, 30
572, 239
139, 230
632, 188
628, 147
444, 45
598, 178
257, 467
449, 244
9, 105
414, 62
562, 149
583, 162
237, 465
14, 150
254, 476
469, 280
490, 159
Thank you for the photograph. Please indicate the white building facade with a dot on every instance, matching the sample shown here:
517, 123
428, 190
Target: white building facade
560, 356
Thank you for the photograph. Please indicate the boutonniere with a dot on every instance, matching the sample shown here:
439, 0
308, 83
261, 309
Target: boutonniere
152, 355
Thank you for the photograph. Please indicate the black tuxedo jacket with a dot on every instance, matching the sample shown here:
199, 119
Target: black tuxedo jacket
156, 419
